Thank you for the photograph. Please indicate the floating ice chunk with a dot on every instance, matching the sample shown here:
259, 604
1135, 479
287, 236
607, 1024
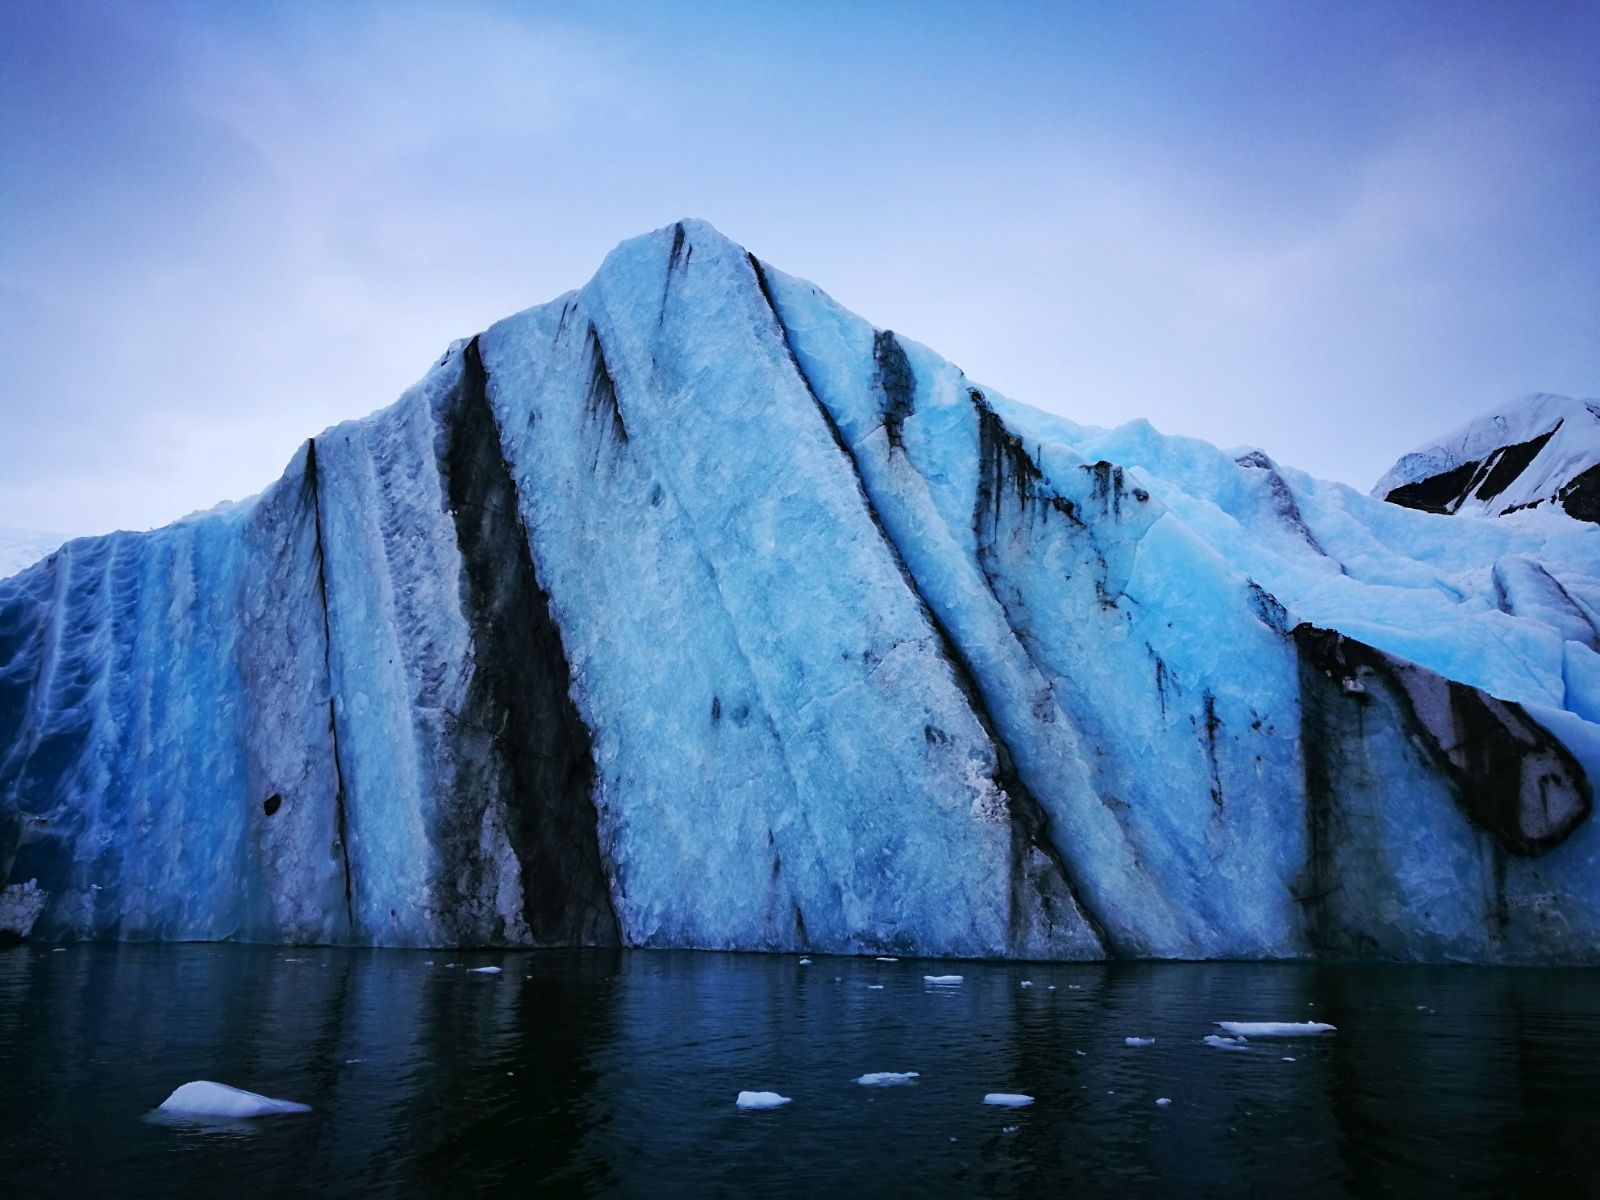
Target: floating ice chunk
761, 1100
1008, 1099
886, 958
483, 970
1276, 1029
1008, 1129
1286, 1058
886, 1078
202, 1098
874, 987
941, 979
1224, 1043
1137, 1041
805, 962
1163, 1101
1026, 983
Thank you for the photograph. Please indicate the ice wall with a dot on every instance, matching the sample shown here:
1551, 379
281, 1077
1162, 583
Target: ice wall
691, 610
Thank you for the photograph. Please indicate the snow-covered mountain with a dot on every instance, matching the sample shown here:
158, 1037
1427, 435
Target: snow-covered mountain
689, 609
1543, 451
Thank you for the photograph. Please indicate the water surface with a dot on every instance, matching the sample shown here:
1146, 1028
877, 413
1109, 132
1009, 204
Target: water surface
616, 1073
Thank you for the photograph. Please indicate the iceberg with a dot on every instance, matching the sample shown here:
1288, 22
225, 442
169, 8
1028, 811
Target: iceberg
760, 1100
1276, 1029
886, 1078
691, 610
1008, 1099
202, 1098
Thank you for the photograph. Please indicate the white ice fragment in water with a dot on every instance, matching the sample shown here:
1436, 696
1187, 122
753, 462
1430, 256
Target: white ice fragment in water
885, 958
483, 970
1163, 1101
1026, 983
886, 1078
202, 1098
1286, 1058
1276, 1029
941, 979
1079, 1053
760, 1100
1008, 1129
1008, 1099
874, 987
805, 962
1224, 1043
1138, 1041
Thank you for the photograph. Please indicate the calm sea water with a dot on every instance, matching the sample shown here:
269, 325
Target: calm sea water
616, 1073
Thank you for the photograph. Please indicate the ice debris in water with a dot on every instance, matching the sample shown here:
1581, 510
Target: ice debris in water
1026, 983
886, 1078
202, 1098
885, 958
760, 1100
805, 962
1276, 1029
874, 987
1163, 1101
941, 979
1224, 1043
1008, 1099
1138, 1041
483, 970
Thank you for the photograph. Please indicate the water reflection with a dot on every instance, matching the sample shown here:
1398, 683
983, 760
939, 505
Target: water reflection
615, 1073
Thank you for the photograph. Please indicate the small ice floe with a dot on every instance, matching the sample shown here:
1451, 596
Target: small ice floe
202, 1098
874, 987
942, 980
350, 1062
59, 950
1026, 983
1276, 1029
760, 1100
1225, 1043
1163, 1101
1073, 987
805, 962
1135, 1041
1079, 1053
1008, 1129
1286, 1058
1008, 1099
886, 1078
886, 958
483, 970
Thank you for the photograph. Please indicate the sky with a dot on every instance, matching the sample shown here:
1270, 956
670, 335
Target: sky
1328, 230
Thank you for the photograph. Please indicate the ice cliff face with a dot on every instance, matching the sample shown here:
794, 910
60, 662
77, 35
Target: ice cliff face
1543, 451
691, 610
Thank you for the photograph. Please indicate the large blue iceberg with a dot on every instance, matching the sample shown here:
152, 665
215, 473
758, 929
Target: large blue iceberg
691, 610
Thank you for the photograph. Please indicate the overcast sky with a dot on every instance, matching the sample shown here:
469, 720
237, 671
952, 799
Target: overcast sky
1329, 230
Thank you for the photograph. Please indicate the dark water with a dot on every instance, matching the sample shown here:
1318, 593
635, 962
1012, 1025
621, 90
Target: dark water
615, 1073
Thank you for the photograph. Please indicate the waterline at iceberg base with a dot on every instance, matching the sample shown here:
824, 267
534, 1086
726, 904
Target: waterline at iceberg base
690, 610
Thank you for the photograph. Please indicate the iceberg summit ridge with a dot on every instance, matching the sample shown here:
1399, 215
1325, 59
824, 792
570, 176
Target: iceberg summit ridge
692, 610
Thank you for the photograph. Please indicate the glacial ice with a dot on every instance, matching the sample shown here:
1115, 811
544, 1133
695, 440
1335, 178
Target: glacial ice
1225, 1043
202, 1098
761, 1100
1008, 1099
1136, 1042
691, 610
886, 1078
942, 980
1276, 1029
483, 970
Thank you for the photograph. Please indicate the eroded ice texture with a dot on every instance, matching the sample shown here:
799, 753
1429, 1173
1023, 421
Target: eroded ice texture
886, 1078
691, 610
202, 1098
